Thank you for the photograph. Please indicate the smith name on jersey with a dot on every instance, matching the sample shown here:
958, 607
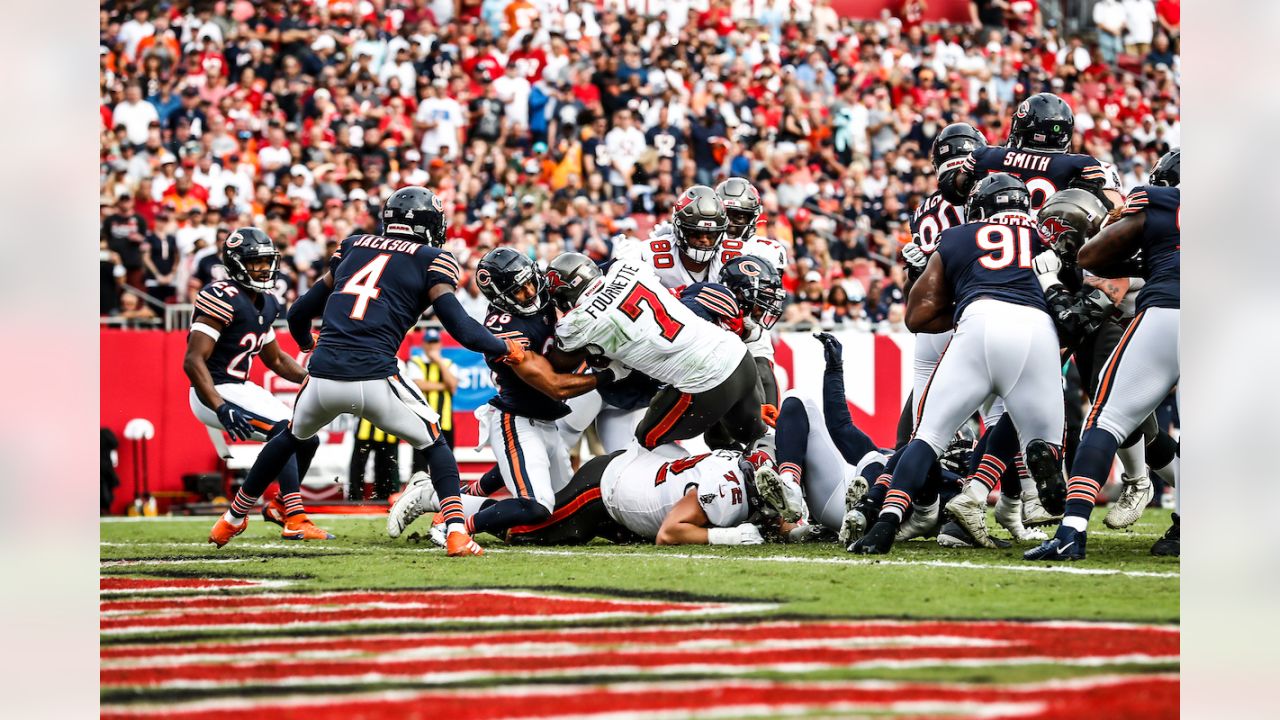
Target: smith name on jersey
1044, 173
992, 259
1161, 243
380, 287
627, 315
515, 396
246, 328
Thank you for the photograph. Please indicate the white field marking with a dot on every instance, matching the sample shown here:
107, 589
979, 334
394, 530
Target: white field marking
305, 606
169, 707
443, 620
293, 545
257, 585
845, 708
965, 565
184, 561
206, 518
564, 649
367, 674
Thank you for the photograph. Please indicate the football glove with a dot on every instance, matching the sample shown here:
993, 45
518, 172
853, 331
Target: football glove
515, 353
915, 257
769, 413
832, 350
235, 421
1046, 266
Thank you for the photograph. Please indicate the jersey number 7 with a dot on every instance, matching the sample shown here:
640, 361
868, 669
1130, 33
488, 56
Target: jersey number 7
669, 326
364, 285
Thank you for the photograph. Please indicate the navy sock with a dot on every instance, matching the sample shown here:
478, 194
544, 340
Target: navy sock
275, 457
508, 513
444, 477
909, 476
880, 482
792, 435
1089, 471
490, 482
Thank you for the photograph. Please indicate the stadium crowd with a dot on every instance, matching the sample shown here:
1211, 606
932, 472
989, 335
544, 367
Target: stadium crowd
554, 125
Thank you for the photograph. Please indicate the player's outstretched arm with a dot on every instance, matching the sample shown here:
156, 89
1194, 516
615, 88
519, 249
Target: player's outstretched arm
929, 304
686, 524
281, 363
541, 376
200, 345
1109, 252
469, 333
307, 308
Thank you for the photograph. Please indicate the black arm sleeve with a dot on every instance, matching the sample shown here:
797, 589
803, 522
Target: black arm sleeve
852, 443
305, 309
469, 333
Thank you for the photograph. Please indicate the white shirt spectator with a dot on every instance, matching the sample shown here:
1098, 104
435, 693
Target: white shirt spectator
447, 114
514, 91
625, 146
188, 235
1139, 20
405, 71
132, 33
136, 118
274, 158
1109, 15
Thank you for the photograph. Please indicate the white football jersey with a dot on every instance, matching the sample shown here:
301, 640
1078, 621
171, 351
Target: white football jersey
640, 487
629, 317
660, 253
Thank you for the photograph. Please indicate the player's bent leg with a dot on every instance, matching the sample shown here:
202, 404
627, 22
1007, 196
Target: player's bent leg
524, 458
580, 514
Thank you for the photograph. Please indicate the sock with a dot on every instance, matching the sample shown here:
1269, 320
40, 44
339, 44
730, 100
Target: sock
1134, 459
791, 436
1169, 471
1075, 523
909, 477
292, 504
444, 477
508, 513
988, 474
490, 482
1089, 471
271, 463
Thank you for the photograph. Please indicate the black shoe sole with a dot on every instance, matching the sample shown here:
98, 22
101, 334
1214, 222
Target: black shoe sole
1046, 471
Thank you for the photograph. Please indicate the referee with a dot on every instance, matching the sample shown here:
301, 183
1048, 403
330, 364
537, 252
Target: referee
433, 374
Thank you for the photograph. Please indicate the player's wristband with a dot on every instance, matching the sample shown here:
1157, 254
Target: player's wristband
724, 536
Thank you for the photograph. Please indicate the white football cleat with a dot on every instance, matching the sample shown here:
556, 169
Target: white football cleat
1135, 493
972, 516
418, 498
772, 489
1009, 516
1033, 513
921, 523
852, 527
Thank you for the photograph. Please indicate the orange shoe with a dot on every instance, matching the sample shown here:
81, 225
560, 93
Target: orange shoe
299, 527
460, 543
273, 512
223, 531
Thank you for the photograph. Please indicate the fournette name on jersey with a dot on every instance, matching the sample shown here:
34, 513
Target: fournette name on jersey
1044, 173
246, 328
380, 287
1161, 243
515, 396
933, 217
992, 259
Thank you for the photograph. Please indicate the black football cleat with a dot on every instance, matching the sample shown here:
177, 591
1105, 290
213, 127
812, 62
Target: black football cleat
1045, 466
878, 540
953, 535
1171, 544
1066, 545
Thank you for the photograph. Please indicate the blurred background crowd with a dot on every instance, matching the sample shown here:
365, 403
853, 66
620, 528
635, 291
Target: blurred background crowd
554, 125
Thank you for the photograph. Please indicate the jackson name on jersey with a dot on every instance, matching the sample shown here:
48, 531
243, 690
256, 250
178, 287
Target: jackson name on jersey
628, 316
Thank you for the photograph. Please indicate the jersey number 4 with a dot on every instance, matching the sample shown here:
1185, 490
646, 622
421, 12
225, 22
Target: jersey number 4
1003, 249
364, 285
669, 326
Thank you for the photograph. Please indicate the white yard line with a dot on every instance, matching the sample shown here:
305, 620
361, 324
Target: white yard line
962, 565
185, 561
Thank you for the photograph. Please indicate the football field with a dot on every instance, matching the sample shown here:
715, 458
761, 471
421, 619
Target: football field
367, 627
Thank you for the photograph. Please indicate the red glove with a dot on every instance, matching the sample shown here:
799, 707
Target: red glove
515, 353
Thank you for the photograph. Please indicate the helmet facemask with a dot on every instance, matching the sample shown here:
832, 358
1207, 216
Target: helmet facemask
527, 295
700, 244
255, 271
742, 223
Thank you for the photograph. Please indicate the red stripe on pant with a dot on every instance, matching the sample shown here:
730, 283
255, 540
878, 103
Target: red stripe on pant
654, 437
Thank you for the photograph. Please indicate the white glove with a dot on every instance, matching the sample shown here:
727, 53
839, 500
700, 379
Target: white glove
1046, 266
915, 256
744, 534
662, 229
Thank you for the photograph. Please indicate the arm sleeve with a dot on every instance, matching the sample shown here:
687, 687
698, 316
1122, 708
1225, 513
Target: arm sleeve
305, 309
469, 333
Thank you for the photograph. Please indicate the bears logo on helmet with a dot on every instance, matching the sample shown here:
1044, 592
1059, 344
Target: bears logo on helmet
749, 267
1023, 109
482, 276
234, 240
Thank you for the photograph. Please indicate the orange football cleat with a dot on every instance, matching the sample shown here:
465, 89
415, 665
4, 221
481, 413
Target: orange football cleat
273, 512
299, 527
460, 544
223, 531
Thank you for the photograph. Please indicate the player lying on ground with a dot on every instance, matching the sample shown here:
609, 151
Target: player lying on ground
627, 316
1143, 369
231, 324
376, 288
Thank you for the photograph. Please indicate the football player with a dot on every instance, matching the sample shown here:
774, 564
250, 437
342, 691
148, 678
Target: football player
519, 423
980, 282
231, 325
1144, 366
627, 316
376, 288
1040, 135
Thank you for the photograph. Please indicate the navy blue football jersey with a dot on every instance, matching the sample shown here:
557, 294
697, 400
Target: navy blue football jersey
246, 327
714, 303
932, 217
380, 289
992, 259
1044, 173
515, 396
1161, 243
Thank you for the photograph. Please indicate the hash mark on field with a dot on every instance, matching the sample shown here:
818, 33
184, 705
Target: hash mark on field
964, 565
248, 544
183, 561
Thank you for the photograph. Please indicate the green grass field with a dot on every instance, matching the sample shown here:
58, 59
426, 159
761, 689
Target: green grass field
1120, 582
